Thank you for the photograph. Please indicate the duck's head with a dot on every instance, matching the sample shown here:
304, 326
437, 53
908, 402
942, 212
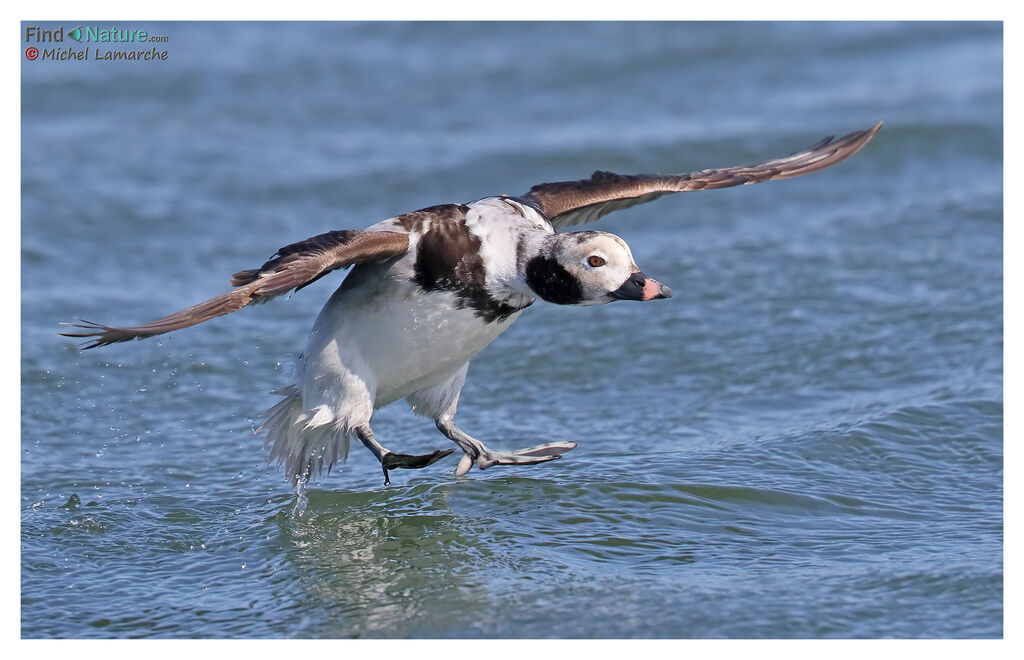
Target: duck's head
589, 268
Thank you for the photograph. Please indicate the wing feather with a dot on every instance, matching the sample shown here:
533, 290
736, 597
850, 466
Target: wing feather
292, 267
568, 203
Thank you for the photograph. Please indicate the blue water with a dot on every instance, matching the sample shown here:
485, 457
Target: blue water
805, 441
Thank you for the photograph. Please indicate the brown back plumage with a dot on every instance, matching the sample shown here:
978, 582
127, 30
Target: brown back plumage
568, 203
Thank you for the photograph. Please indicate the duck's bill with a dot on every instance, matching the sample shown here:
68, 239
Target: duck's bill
641, 287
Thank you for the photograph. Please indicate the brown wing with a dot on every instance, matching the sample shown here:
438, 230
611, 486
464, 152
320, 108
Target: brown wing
292, 267
568, 203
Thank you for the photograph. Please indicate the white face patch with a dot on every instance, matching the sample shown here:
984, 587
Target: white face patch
582, 256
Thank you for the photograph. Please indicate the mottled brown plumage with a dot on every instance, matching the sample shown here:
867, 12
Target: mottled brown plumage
292, 267
568, 203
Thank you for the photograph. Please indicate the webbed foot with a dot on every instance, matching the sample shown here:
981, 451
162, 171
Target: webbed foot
529, 456
390, 461
484, 457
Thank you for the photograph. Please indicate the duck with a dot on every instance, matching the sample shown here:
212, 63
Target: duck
428, 290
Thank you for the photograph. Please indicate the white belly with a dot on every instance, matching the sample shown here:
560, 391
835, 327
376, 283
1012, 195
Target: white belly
392, 337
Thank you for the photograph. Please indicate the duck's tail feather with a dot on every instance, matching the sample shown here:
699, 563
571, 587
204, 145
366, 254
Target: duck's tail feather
304, 441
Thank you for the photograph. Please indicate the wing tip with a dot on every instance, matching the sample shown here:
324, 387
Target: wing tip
103, 335
855, 141
865, 135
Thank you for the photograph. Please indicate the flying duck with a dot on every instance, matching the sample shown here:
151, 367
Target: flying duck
428, 290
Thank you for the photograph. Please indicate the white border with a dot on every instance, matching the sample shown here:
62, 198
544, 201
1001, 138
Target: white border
522, 10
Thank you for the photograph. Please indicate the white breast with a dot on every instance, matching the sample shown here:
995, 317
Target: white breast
394, 337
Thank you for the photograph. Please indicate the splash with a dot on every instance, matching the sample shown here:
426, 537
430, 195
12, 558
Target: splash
301, 500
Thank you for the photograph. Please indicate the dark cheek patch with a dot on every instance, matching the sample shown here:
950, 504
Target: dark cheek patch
552, 282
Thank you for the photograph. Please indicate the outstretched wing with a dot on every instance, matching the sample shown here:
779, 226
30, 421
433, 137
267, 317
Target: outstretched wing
568, 203
292, 267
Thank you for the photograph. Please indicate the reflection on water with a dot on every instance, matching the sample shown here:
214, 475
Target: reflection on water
388, 563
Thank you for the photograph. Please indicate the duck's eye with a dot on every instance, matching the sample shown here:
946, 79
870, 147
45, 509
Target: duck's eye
595, 261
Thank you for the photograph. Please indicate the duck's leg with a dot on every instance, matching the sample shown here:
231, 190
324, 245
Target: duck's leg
484, 457
440, 402
390, 460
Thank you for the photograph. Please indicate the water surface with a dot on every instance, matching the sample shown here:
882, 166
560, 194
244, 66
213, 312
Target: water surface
805, 441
